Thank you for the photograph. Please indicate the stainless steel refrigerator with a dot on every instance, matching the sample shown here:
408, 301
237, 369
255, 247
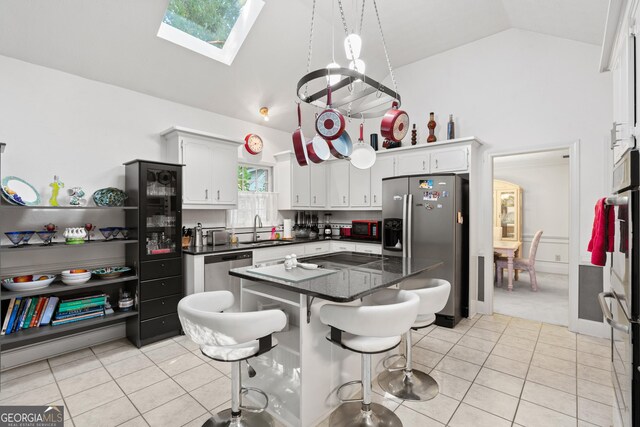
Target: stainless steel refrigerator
426, 216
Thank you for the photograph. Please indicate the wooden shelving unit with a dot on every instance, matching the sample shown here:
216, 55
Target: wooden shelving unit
31, 336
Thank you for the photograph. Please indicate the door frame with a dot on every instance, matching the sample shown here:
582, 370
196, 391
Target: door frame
486, 232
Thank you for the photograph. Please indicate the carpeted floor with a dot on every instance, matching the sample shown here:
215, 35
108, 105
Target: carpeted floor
550, 304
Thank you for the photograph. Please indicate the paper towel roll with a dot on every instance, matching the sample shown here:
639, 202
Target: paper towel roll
287, 229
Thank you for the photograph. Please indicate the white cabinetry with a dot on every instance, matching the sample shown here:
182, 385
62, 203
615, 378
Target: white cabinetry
210, 175
318, 186
359, 187
317, 248
383, 168
339, 183
619, 55
299, 186
338, 246
449, 160
369, 248
411, 163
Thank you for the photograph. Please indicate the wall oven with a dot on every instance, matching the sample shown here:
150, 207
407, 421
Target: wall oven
621, 306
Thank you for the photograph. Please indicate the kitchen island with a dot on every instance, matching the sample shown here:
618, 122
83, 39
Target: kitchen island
301, 374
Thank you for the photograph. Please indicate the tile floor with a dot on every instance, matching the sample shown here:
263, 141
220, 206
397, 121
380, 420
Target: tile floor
492, 370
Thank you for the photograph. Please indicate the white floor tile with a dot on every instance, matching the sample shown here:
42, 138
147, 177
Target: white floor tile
409, 417
155, 395
469, 416
550, 398
532, 415
440, 408
493, 401
500, 381
594, 412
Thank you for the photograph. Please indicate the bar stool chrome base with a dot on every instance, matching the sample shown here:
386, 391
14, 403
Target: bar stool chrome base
352, 415
247, 419
412, 385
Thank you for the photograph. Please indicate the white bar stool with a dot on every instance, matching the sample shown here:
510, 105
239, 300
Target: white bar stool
405, 382
375, 326
231, 337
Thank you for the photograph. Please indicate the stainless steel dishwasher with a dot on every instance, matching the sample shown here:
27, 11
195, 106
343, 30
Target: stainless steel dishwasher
216, 273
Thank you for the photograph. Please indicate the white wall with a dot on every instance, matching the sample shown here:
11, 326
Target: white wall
544, 180
56, 123
518, 90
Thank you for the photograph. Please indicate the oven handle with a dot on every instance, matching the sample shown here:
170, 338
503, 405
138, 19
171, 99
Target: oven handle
602, 298
616, 201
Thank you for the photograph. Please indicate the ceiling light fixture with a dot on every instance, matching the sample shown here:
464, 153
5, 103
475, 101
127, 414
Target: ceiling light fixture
264, 112
356, 46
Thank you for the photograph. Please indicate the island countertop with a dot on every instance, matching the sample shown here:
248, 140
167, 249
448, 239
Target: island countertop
355, 274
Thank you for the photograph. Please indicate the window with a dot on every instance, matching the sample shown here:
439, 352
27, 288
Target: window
254, 198
214, 28
253, 178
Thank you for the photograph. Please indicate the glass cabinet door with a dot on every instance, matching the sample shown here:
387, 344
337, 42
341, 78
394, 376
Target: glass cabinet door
160, 209
508, 214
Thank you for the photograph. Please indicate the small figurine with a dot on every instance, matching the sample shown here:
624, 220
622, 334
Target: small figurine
432, 126
77, 194
56, 185
414, 135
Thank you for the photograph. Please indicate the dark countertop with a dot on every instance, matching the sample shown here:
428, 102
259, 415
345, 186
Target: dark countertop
357, 275
204, 250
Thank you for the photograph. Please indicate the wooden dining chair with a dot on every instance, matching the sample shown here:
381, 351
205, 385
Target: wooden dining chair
528, 264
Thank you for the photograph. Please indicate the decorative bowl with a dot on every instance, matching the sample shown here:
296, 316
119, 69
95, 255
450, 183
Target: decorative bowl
79, 274
46, 236
15, 237
18, 191
27, 236
124, 231
115, 232
110, 272
38, 281
107, 232
75, 280
109, 196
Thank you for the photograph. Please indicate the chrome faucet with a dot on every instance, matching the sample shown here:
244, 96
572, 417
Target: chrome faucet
256, 220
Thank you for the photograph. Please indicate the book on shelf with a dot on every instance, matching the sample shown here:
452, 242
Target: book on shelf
77, 318
48, 311
7, 316
32, 312
14, 315
77, 313
35, 320
23, 313
94, 301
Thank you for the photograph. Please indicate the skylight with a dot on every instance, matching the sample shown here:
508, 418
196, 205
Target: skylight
214, 28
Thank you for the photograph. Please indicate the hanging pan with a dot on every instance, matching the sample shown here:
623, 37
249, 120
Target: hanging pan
330, 123
395, 124
318, 149
299, 146
363, 156
342, 147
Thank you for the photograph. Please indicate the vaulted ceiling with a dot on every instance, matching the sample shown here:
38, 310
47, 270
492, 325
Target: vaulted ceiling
114, 41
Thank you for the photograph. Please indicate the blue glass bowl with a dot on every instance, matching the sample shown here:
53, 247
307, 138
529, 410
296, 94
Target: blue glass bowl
107, 232
124, 232
15, 237
27, 236
46, 236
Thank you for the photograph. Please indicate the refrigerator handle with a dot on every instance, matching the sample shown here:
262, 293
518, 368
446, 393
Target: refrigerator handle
409, 226
602, 299
405, 245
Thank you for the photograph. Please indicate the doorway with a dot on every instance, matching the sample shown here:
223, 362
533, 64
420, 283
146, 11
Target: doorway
530, 230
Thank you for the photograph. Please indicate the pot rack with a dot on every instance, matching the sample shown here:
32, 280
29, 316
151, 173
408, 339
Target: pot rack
356, 94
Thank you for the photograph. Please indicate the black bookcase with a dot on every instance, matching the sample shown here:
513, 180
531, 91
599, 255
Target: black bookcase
156, 189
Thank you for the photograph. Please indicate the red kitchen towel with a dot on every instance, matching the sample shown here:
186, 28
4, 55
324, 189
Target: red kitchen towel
602, 233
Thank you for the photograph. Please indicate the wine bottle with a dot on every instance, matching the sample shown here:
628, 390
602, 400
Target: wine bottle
451, 130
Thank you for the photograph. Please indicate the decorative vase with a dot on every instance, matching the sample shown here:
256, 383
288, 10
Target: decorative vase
432, 126
414, 135
74, 235
56, 185
451, 128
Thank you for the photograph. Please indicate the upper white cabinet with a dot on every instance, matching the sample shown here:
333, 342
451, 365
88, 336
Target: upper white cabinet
359, 187
336, 184
299, 186
318, 186
339, 183
449, 160
412, 163
383, 168
210, 175
619, 55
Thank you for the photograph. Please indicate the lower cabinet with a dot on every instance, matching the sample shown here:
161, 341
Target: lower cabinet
159, 297
339, 246
369, 248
